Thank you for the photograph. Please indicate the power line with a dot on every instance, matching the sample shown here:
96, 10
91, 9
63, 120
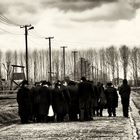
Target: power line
5, 31
6, 21
37, 35
36, 43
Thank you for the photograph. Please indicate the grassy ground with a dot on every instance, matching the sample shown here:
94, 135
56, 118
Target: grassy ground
8, 110
136, 99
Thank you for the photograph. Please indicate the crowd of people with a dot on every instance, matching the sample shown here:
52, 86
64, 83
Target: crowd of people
69, 101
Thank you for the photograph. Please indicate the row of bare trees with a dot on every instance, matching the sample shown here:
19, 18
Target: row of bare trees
104, 64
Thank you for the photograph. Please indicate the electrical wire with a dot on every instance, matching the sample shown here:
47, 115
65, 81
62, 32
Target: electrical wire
36, 43
5, 31
6, 21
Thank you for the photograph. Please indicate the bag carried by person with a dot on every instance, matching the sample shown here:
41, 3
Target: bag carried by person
51, 112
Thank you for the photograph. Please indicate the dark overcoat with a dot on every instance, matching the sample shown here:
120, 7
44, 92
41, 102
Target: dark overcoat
124, 91
73, 91
24, 102
85, 91
35, 100
112, 97
59, 102
44, 100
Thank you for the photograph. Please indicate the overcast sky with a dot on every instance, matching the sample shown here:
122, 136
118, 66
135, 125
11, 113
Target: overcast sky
73, 23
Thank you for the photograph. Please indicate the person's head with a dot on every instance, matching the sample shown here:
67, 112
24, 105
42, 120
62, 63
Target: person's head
24, 83
44, 83
49, 84
72, 83
83, 79
64, 83
57, 85
125, 82
109, 84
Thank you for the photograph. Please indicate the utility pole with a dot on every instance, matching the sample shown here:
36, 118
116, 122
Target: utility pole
92, 73
63, 47
50, 72
27, 27
82, 65
74, 55
85, 68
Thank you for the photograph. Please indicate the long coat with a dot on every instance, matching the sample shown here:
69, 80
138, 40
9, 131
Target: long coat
124, 91
44, 100
24, 102
102, 101
73, 91
59, 103
85, 91
35, 100
112, 97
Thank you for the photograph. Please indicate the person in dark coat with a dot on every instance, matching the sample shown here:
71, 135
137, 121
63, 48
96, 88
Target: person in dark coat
74, 108
23, 100
95, 101
124, 92
112, 99
101, 99
65, 91
85, 95
44, 101
59, 103
35, 101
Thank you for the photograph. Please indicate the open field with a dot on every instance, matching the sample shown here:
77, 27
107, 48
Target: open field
8, 109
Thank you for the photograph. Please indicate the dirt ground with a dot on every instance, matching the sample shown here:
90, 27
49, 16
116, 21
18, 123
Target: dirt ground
101, 128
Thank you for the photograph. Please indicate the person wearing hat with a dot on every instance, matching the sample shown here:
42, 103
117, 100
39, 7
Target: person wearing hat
58, 102
112, 99
24, 102
124, 92
85, 96
44, 102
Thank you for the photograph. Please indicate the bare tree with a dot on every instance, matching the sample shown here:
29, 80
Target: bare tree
0, 64
110, 55
35, 64
124, 55
117, 65
134, 62
7, 67
102, 55
15, 59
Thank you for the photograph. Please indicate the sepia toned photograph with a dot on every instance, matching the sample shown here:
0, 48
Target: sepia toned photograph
69, 69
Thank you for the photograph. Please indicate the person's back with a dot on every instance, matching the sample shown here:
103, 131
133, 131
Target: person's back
74, 108
44, 102
85, 90
112, 99
24, 102
124, 92
85, 94
111, 94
